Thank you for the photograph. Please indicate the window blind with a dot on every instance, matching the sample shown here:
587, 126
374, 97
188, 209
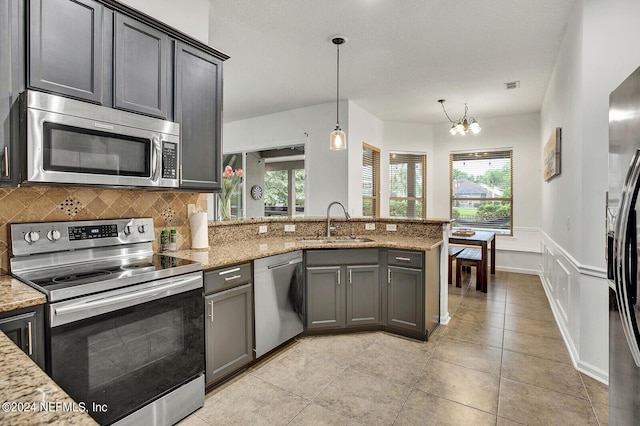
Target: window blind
370, 181
407, 185
481, 190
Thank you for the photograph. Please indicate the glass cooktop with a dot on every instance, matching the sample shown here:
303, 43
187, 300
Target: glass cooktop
90, 277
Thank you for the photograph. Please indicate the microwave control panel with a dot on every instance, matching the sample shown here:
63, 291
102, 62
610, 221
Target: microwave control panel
169, 160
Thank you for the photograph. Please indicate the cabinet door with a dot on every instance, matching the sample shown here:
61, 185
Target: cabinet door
140, 71
229, 331
12, 83
363, 290
25, 330
66, 42
198, 109
325, 297
405, 300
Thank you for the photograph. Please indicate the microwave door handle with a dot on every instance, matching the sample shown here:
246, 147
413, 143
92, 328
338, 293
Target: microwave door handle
156, 158
625, 257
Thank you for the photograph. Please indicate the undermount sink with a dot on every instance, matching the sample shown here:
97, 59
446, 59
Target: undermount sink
334, 240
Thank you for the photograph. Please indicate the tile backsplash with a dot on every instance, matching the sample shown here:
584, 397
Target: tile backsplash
43, 204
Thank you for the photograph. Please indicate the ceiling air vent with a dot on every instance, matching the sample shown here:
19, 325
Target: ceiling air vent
512, 85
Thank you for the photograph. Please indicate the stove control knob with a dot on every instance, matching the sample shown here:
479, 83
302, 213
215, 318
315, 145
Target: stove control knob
142, 229
53, 235
31, 237
127, 230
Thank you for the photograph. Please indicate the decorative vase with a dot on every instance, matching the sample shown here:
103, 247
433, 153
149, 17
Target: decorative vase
225, 208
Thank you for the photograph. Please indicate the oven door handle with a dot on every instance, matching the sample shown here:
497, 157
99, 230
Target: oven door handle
76, 311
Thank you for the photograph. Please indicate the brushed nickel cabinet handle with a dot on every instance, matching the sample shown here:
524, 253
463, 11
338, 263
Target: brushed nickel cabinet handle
228, 271
403, 259
6, 161
29, 338
350, 281
211, 313
389, 276
338, 276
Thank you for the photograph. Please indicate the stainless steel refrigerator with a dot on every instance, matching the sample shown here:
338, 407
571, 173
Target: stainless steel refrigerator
622, 252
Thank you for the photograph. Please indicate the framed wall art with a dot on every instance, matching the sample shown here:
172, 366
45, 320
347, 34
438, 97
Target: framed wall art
551, 155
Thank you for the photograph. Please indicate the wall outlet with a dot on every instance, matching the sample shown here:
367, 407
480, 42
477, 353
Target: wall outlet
391, 227
289, 228
191, 209
262, 229
370, 226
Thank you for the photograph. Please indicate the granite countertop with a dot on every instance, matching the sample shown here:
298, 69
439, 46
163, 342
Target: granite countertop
22, 381
245, 251
29, 396
15, 294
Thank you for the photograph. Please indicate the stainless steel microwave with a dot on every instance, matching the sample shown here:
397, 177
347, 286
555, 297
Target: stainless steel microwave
74, 142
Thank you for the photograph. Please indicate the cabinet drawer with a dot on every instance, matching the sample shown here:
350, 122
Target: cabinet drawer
342, 257
225, 278
412, 259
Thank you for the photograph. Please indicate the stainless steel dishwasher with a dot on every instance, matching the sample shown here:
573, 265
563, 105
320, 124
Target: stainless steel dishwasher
279, 300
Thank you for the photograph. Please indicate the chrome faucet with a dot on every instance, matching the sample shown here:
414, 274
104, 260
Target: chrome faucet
346, 215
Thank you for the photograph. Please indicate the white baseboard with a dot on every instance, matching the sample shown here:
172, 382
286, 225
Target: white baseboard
518, 270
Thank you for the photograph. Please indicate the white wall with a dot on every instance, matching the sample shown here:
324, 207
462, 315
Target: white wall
189, 16
520, 252
327, 178
363, 127
599, 50
410, 138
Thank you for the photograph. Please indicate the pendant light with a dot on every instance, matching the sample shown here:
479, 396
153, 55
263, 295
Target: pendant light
338, 140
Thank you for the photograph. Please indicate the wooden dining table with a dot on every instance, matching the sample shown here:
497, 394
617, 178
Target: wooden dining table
482, 239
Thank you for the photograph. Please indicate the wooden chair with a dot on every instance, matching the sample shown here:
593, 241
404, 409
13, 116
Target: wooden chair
453, 252
471, 257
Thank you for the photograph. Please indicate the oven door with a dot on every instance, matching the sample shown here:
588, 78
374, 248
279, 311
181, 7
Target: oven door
130, 346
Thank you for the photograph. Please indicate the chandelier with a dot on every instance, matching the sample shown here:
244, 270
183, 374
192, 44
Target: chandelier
462, 125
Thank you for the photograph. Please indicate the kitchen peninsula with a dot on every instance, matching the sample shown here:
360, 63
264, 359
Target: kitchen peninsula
236, 242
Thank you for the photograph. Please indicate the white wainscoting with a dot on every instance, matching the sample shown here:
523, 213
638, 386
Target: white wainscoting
578, 295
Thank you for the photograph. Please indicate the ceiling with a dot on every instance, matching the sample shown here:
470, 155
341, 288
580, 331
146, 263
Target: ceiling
400, 58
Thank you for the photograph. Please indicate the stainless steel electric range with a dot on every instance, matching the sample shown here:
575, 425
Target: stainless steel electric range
124, 326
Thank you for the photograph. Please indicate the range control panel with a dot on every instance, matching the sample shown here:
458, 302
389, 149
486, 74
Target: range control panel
45, 237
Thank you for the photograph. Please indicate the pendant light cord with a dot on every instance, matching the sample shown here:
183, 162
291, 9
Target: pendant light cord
338, 87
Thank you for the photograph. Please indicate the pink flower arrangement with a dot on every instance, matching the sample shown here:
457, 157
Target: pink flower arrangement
230, 181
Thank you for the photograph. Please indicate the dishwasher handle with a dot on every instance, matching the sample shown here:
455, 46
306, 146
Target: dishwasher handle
281, 265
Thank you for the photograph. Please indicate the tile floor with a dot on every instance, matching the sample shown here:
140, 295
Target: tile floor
500, 361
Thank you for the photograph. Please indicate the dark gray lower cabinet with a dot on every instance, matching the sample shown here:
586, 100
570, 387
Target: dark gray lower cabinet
345, 294
363, 295
228, 321
325, 297
405, 298
26, 328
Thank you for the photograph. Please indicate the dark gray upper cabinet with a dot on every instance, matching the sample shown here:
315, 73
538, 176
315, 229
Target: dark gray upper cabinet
198, 109
140, 69
12, 83
67, 41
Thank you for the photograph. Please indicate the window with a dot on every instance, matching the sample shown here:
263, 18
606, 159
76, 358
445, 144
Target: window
407, 185
235, 161
370, 181
481, 184
284, 188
